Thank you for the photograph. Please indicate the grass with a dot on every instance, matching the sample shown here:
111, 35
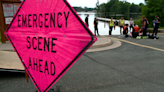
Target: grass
159, 27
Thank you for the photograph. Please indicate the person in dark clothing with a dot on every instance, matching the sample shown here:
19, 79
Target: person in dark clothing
135, 32
144, 23
86, 20
157, 22
96, 26
147, 24
125, 30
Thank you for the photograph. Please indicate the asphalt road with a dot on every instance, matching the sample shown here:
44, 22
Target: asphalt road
129, 68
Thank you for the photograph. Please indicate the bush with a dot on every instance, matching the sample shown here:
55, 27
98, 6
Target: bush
138, 22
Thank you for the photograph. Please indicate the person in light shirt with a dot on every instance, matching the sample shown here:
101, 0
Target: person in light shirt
131, 24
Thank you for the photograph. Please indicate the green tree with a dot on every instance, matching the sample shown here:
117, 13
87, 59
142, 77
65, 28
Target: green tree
86, 9
152, 8
113, 7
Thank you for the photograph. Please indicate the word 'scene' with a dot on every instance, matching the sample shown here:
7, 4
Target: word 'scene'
46, 20
43, 44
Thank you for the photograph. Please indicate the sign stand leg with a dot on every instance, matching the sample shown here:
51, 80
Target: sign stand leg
58, 88
51, 90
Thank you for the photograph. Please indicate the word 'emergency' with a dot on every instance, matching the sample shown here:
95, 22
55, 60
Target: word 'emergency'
46, 20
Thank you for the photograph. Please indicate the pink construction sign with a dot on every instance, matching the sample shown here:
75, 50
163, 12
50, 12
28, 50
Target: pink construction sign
49, 37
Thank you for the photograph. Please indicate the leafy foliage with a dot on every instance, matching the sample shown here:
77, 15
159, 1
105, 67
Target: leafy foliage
119, 7
86, 9
152, 8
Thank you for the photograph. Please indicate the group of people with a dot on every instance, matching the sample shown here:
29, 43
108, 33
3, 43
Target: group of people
136, 31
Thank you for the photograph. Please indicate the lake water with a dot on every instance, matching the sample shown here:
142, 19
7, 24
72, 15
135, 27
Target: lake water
102, 27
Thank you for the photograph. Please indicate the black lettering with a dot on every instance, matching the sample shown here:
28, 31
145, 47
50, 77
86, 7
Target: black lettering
46, 68
40, 65
24, 21
58, 19
33, 43
34, 20
39, 43
29, 20
30, 64
19, 20
28, 46
46, 44
46, 20
66, 17
52, 70
40, 22
53, 45
35, 64
52, 19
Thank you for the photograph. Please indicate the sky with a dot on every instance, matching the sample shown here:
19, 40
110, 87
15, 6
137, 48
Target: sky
92, 3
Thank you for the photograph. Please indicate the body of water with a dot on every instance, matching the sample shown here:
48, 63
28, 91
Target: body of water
103, 28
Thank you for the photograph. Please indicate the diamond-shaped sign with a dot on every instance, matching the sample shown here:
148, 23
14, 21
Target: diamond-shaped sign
49, 37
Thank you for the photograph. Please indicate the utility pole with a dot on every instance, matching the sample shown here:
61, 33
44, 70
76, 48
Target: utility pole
98, 8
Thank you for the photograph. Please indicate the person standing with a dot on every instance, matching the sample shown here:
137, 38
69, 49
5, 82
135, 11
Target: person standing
154, 23
86, 20
121, 24
131, 24
144, 23
157, 22
96, 26
111, 25
147, 24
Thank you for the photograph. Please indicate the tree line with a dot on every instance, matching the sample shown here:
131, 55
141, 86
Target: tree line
150, 9
123, 8
117, 9
153, 8
85, 9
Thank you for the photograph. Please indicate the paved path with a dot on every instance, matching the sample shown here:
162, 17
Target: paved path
101, 42
135, 66
10, 61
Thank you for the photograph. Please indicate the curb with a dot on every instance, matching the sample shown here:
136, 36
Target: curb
109, 42
115, 44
